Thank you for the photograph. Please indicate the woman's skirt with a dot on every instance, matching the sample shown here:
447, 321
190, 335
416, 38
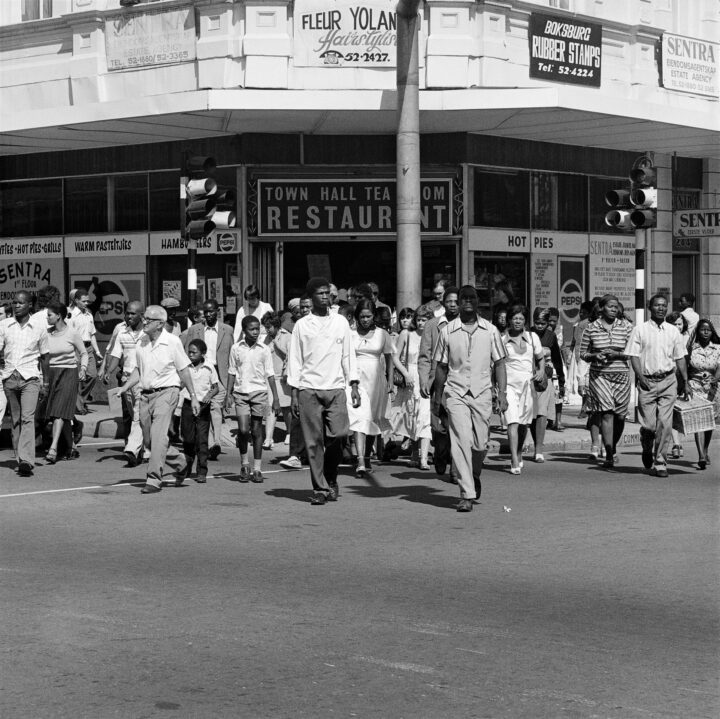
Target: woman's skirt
609, 392
63, 385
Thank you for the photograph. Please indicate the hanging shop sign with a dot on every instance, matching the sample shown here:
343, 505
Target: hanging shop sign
349, 34
612, 268
564, 49
150, 37
482, 239
690, 65
556, 243
28, 247
314, 208
221, 242
696, 223
95, 246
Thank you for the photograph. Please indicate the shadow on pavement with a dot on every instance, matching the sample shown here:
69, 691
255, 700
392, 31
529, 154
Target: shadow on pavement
420, 493
298, 495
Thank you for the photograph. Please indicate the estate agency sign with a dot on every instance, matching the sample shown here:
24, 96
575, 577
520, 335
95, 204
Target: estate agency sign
346, 207
696, 223
690, 65
563, 49
345, 34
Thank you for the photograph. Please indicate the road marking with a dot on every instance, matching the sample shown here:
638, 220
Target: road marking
67, 489
404, 666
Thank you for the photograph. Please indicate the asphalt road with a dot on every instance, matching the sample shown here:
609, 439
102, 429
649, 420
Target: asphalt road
595, 595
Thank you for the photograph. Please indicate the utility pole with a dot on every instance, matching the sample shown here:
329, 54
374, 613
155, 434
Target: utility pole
409, 252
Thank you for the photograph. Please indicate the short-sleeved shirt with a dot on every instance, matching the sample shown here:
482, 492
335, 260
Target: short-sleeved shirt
82, 322
252, 366
125, 346
22, 346
657, 345
470, 355
159, 363
204, 377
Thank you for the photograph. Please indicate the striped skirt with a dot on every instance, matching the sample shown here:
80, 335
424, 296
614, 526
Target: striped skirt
609, 392
62, 392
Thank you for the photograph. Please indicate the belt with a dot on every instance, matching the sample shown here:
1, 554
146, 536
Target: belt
659, 375
157, 389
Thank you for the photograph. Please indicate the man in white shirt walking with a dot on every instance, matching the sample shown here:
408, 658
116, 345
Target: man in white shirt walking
24, 341
687, 309
321, 363
162, 366
657, 350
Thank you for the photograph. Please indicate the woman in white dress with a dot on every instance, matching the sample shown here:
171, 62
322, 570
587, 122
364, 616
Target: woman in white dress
373, 349
524, 351
412, 411
254, 306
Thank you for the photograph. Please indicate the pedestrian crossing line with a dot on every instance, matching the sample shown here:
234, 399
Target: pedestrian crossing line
66, 489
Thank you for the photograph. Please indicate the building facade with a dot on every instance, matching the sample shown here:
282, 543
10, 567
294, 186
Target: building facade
530, 111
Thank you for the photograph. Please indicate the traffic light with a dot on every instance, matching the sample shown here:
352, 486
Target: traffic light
205, 210
643, 193
634, 208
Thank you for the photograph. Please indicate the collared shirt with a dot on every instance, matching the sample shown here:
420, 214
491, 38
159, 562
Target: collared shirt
598, 337
204, 377
252, 366
322, 355
82, 322
23, 345
211, 340
469, 352
657, 345
125, 346
160, 363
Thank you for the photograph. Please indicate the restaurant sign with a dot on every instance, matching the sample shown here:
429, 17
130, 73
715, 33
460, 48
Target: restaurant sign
564, 49
696, 223
310, 207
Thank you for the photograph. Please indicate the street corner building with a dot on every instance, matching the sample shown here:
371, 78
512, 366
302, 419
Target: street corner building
558, 139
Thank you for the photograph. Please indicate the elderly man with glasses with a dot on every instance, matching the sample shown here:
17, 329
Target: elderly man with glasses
162, 366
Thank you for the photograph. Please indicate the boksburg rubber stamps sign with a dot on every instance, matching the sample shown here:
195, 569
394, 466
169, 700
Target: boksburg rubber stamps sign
563, 49
310, 207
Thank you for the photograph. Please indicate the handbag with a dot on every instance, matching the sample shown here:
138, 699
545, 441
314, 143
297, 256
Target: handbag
398, 376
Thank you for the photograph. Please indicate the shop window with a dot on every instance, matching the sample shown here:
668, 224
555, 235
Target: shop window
130, 202
86, 205
499, 280
31, 208
164, 201
36, 9
598, 186
559, 202
501, 198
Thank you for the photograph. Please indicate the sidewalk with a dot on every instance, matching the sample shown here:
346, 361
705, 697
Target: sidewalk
101, 421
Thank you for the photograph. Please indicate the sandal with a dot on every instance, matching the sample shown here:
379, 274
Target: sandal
51, 456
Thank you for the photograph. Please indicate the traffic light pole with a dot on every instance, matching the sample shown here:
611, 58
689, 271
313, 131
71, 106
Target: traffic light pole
640, 248
409, 253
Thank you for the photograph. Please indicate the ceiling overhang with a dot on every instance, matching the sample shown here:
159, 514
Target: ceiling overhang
575, 116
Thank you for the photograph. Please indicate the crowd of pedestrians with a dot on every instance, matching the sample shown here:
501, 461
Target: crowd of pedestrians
351, 380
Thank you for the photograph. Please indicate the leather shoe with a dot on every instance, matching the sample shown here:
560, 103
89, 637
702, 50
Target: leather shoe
132, 459
318, 498
647, 440
334, 493
244, 473
440, 467
150, 489
464, 505
214, 452
658, 471
257, 477
200, 479
25, 469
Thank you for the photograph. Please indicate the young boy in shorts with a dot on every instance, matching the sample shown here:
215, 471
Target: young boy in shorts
195, 429
249, 374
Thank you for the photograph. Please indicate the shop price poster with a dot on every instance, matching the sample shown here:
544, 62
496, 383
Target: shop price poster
172, 288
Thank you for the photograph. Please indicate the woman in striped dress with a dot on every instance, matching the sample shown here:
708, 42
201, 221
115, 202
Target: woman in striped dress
603, 347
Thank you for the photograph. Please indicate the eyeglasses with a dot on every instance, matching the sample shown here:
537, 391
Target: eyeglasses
147, 320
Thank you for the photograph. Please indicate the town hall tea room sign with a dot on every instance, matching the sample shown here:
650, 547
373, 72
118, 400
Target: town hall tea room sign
310, 207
